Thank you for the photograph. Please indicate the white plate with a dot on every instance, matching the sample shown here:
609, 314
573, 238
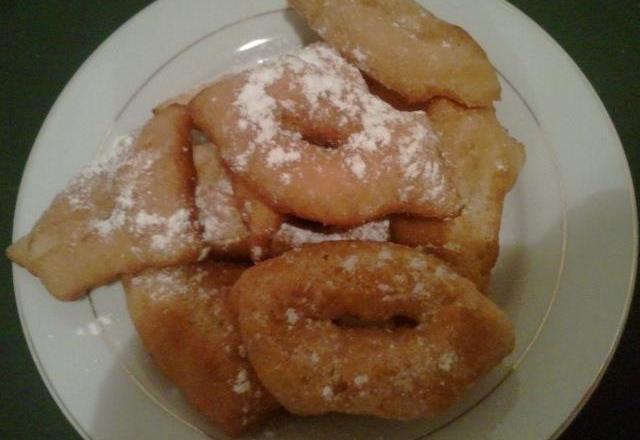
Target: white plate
569, 239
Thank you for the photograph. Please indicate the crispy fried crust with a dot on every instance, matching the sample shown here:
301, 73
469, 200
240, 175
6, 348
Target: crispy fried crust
367, 328
486, 163
131, 210
184, 321
392, 98
224, 230
411, 51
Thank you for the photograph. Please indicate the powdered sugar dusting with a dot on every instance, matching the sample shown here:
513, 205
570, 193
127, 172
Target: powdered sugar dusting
162, 284
317, 84
105, 169
359, 55
116, 176
327, 393
385, 255
442, 272
292, 316
110, 158
256, 253
356, 165
217, 210
173, 228
420, 289
452, 246
447, 361
279, 156
285, 178
144, 219
349, 264
417, 263
297, 236
242, 384
95, 328
256, 106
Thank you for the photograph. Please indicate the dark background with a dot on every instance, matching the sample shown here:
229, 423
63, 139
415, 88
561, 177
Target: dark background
44, 42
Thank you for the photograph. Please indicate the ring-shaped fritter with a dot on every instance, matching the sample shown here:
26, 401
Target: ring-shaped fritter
367, 328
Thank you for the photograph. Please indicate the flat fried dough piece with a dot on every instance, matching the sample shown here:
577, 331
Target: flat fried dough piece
406, 48
486, 163
131, 209
184, 320
224, 229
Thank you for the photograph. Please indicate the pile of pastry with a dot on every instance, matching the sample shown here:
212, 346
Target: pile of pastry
315, 233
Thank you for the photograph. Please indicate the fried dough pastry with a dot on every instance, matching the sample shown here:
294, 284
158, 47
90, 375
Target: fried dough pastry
223, 228
486, 163
367, 328
184, 320
303, 132
406, 48
131, 209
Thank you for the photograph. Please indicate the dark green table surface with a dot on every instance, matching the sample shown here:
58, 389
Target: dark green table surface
44, 42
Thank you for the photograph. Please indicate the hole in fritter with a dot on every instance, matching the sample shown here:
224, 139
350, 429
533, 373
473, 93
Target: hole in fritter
320, 136
395, 322
315, 226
